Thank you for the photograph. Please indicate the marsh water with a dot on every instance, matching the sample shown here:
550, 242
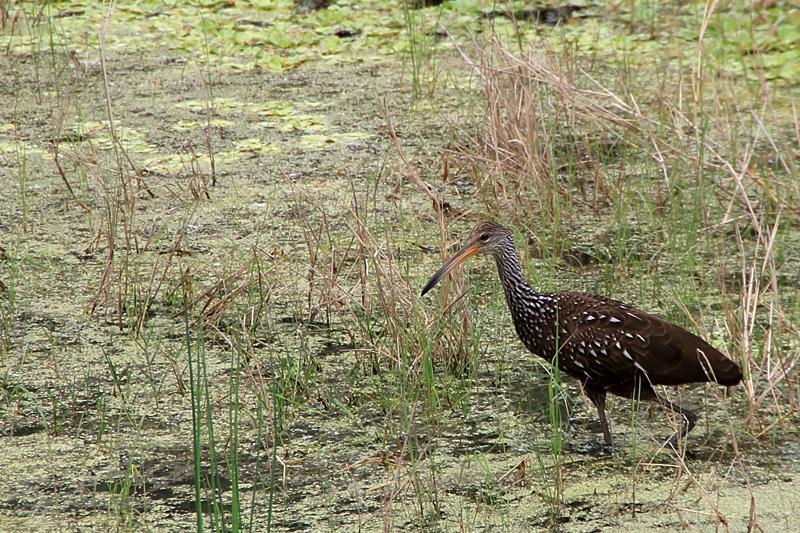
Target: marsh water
181, 198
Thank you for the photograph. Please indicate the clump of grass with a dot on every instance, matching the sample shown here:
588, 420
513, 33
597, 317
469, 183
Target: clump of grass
358, 274
420, 48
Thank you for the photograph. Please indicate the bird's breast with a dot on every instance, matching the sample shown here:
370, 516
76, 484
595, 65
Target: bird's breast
538, 334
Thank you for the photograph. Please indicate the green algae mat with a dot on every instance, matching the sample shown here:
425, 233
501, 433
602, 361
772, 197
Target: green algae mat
216, 217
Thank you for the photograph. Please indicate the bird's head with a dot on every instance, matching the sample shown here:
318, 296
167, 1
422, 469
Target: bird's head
486, 238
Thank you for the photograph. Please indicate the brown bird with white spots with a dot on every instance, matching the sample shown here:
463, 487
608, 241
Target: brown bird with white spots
607, 345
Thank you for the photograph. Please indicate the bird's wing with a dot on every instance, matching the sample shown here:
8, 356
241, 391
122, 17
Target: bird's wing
619, 341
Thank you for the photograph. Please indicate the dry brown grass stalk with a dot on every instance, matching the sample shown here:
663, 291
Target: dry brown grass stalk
536, 101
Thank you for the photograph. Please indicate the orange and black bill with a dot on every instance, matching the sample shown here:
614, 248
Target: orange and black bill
455, 260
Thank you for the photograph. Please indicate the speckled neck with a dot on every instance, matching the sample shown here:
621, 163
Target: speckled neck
534, 313
510, 270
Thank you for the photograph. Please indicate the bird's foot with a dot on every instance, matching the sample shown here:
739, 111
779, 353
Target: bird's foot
606, 449
598, 449
674, 445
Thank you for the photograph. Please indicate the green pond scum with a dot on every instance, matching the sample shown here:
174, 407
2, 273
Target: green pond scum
216, 218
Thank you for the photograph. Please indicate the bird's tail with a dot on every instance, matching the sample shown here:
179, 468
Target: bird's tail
717, 366
727, 373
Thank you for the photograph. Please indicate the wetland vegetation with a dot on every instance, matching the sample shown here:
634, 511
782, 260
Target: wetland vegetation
216, 217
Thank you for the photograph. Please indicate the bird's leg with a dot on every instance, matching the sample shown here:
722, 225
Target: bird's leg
598, 397
689, 420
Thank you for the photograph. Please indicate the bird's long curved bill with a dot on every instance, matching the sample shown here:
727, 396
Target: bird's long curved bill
454, 260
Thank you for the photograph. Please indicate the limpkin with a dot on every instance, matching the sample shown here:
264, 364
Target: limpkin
607, 345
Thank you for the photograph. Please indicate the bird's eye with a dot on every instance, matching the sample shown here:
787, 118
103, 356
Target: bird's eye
484, 237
